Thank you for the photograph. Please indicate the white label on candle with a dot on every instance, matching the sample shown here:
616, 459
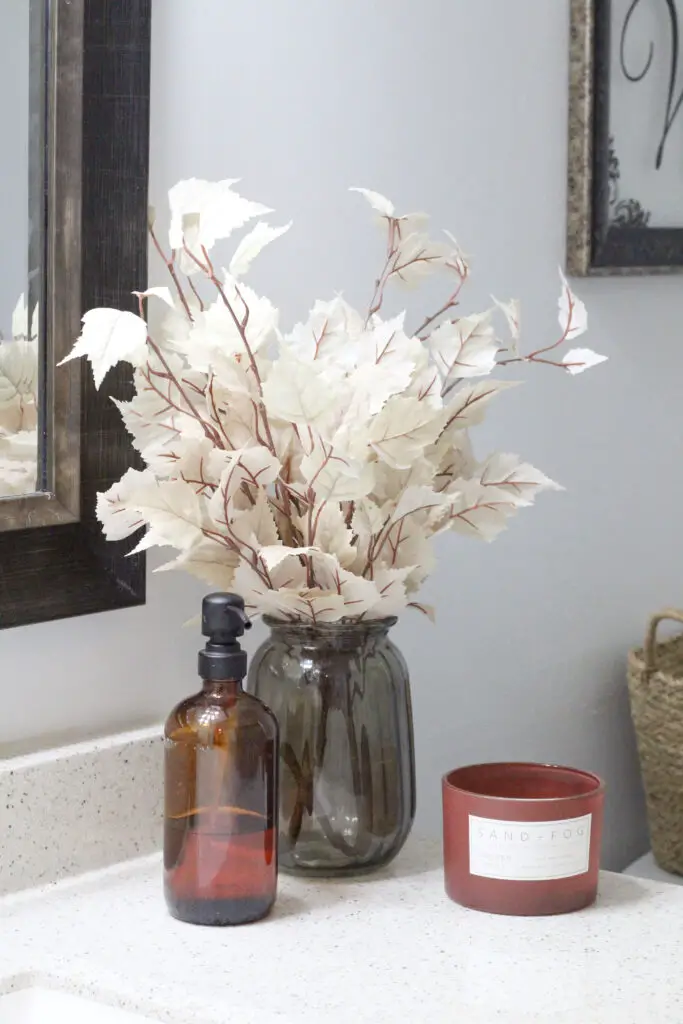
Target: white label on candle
526, 851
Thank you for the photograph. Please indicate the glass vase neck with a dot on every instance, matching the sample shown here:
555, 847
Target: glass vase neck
343, 635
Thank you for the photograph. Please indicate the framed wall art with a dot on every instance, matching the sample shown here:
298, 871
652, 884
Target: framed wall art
625, 195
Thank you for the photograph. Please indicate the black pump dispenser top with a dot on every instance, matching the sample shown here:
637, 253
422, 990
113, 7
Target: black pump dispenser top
223, 620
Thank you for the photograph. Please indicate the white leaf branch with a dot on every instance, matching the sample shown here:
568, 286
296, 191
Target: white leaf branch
310, 470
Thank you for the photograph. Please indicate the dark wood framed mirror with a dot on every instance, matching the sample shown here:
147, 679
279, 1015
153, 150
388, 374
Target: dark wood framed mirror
87, 169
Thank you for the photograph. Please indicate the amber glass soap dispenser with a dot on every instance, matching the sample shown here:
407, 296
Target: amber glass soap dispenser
221, 756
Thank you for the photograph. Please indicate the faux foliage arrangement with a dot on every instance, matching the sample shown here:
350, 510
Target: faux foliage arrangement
18, 406
309, 469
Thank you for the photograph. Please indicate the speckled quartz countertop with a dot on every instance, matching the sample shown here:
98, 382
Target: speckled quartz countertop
386, 948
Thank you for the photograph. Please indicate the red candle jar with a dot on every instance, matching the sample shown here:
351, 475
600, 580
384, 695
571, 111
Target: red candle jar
522, 838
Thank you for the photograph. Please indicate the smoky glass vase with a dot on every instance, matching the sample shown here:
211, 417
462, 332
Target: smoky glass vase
341, 695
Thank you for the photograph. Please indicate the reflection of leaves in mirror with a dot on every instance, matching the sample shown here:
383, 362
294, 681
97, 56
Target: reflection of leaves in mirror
673, 101
18, 405
624, 213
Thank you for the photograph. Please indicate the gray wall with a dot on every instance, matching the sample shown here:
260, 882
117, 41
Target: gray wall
459, 108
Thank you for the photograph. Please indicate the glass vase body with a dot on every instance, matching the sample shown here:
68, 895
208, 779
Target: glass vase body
341, 695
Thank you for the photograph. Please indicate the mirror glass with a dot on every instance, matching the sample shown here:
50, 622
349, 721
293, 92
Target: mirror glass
22, 215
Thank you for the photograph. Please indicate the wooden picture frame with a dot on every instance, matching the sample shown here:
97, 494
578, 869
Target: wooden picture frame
607, 232
96, 255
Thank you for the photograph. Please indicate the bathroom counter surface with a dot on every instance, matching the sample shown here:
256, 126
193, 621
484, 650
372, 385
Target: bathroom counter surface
386, 948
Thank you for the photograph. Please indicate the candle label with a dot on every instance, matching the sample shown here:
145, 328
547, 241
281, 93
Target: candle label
529, 851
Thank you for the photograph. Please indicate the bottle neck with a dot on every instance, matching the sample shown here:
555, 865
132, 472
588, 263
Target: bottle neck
222, 687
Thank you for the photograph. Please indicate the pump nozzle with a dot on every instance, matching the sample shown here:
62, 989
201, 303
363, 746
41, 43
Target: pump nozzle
223, 620
224, 617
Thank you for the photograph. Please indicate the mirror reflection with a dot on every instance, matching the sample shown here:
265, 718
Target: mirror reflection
21, 214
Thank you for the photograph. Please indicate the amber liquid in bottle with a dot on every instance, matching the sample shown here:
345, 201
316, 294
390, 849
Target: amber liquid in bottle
220, 835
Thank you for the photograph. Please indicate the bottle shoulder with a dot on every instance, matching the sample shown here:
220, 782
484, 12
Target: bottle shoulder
206, 712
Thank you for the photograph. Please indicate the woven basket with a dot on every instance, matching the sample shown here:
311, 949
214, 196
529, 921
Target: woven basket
655, 683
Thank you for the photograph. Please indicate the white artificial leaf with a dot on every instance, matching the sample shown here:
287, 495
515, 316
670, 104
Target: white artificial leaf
413, 549
17, 477
418, 501
158, 292
417, 257
456, 258
426, 385
18, 412
11, 416
248, 583
579, 359
332, 333
20, 446
512, 313
320, 606
274, 554
392, 592
25, 325
216, 334
110, 336
247, 471
172, 509
115, 510
464, 348
453, 458
359, 594
18, 461
384, 340
159, 417
254, 467
367, 520
389, 358
334, 476
478, 511
325, 567
237, 415
255, 525
404, 542
372, 385
468, 406
210, 561
155, 426
251, 245
193, 459
231, 377
410, 224
332, 535
174, 512
404, 225
572, 312
402, 430
425, 609
289, 597
378, 202
20, 318
171, 327
390, 482
279, 600
519, 480
298, 391
204, 211
18, 370
291, 573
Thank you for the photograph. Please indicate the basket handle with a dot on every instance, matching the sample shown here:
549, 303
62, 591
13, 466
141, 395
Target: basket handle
651, 637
